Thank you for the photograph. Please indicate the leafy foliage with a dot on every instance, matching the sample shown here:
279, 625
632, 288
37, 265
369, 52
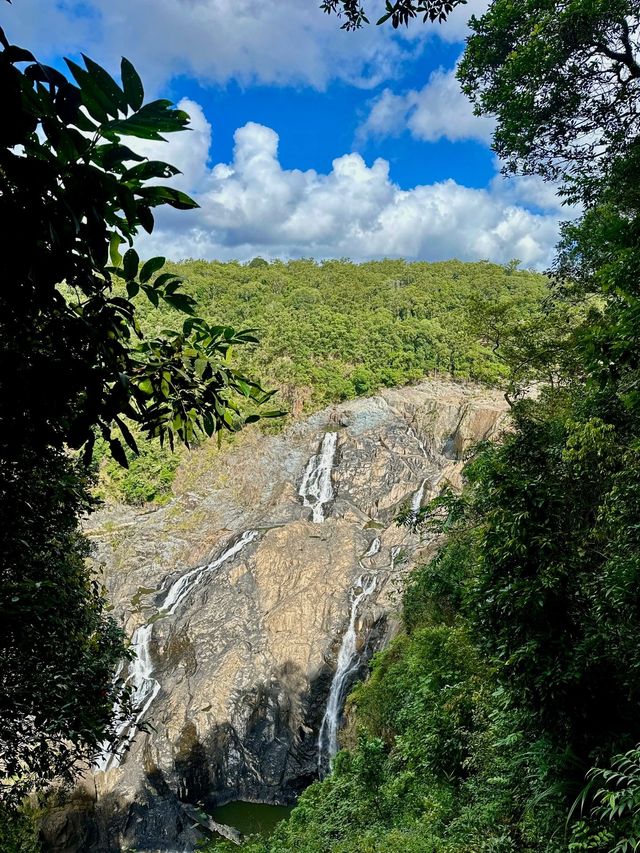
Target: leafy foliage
70, 198
398, 11
59, 646
76, 364
563, 81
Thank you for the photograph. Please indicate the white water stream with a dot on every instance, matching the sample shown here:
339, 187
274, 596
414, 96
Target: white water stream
373, 549
347, 665
316, 489
416, 500
140, 670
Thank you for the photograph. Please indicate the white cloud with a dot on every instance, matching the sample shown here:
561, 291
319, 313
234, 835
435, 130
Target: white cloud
439, 110
280, 42
253, 206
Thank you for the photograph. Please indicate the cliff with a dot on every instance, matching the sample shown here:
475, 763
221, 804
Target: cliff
240, 595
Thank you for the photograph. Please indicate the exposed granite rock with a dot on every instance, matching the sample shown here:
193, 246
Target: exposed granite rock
246, 661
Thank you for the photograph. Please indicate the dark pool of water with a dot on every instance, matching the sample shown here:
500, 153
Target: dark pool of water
251, 818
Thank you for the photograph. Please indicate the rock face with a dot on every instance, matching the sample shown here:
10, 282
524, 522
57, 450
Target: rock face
242, 664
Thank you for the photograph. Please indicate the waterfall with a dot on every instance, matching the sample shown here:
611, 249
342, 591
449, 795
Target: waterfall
140, 670
145, 688
411, 432
347, 665
181, 588
315, 489
416, 500
373, 549
418, 495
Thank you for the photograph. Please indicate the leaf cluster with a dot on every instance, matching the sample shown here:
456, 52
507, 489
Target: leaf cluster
400, 12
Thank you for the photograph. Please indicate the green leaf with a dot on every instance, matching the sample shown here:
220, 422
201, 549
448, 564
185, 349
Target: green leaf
98, 103
150, 121
152, 295
126, 433
150, 169
150, 267
108, 85
130, 264
114, 154
146, 218
166, 277
117, 451
146, 386
114, 249
132, 84
167, 195
181, 302
18, 54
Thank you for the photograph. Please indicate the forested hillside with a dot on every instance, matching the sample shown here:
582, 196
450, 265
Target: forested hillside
333, 330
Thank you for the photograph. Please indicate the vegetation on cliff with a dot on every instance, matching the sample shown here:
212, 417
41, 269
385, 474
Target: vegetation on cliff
504, 718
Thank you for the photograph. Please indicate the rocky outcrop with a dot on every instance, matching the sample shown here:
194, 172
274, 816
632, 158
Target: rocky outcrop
244, 661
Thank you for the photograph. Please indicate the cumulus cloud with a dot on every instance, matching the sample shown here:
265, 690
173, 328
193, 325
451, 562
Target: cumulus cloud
278, 42
439, 110
253, 205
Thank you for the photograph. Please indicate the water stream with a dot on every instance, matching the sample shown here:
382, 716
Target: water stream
140, 670
416, 500
347, 665
373, 549
316, 489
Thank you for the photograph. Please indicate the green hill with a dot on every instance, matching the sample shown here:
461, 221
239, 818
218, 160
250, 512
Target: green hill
334, 330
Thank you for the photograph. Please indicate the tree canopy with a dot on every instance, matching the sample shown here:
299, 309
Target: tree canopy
563, 81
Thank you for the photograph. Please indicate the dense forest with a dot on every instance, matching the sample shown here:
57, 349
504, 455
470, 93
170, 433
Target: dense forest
334, 330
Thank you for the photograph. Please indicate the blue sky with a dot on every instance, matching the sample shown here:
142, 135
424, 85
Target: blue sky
307, 140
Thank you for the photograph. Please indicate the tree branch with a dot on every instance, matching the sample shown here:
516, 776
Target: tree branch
625, 57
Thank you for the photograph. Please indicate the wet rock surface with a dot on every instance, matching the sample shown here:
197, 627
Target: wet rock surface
245, 662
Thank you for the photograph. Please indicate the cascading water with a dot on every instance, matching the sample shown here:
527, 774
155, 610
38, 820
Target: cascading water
416, 500
347, 665
418, 495
373, 549
315, 489
411, 432
145, 687
181, 588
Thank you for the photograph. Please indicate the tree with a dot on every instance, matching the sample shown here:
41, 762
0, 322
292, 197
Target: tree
72, 193
563, 81
75, 363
